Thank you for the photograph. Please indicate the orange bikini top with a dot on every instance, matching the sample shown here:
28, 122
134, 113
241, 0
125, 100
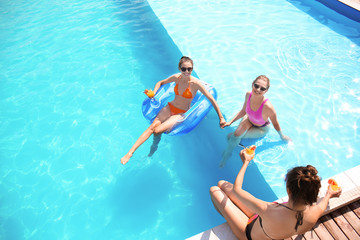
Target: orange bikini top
186, 94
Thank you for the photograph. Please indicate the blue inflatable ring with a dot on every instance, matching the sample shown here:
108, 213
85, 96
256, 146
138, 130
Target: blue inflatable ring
200, 106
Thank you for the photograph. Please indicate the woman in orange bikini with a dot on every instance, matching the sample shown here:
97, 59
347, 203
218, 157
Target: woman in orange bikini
185, 90
251, 218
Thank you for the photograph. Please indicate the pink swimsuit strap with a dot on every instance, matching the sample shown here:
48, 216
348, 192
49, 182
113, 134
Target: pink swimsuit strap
255, 116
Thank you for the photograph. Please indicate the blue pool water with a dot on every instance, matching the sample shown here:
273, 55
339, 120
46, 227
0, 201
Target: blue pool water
71, 80
311, 55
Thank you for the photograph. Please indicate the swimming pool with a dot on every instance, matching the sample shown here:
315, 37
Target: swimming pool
311, 55
72, 76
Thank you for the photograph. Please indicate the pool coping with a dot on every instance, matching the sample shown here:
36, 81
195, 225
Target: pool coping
349, 181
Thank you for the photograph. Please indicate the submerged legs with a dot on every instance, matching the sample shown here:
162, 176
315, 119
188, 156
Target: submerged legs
232, 143
155, 144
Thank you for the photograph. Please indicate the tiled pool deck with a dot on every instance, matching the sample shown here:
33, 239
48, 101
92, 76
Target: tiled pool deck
348, 180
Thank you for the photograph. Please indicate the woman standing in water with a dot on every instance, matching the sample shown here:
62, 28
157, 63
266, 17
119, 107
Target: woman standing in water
185, 90
255, 115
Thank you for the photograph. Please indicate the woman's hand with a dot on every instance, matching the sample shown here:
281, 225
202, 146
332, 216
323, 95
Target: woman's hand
222, 122
286, 138
333, 193
226, 124
245, 157
283, 137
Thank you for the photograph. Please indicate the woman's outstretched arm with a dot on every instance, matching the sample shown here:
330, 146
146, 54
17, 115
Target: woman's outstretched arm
240, 114
213, 102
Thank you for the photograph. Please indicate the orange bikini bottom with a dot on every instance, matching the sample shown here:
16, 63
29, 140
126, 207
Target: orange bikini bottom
174, 110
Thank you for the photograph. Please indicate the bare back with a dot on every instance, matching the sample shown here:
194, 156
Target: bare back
279, 222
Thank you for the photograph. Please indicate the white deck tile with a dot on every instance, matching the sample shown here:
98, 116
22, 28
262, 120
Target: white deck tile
219, 232
354, 175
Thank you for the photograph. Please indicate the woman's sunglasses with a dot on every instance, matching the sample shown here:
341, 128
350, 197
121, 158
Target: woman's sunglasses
257, 87
183, 69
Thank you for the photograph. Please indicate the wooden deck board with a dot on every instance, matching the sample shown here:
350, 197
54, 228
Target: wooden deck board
344, 225
321, 231
311, 235
332, 227
352, 219
355, 206
299, 237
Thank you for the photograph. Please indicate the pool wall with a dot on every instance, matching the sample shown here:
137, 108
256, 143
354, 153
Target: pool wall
342, 7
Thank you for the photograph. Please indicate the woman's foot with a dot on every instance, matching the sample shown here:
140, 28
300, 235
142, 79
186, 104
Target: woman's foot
125, 158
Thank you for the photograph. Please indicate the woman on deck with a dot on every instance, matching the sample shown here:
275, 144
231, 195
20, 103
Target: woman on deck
185, 90
255, 115
251, 218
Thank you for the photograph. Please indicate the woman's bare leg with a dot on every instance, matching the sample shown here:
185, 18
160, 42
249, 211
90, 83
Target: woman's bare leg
162, 116
257, 132
227, 188
155, 144
164, 127
143, 137
168, 124
236, 219
235, 139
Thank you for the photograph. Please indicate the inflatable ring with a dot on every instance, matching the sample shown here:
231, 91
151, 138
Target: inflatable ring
200, 106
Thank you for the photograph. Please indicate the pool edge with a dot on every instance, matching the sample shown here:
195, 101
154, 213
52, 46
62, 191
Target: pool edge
349, 181
348, 8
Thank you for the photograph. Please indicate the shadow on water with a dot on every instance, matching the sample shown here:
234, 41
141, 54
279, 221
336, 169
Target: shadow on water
330, 18
138, 196
152, 46
197, 165
198, 153
208, 141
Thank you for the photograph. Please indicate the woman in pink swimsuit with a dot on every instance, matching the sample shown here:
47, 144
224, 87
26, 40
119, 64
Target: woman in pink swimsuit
255, 115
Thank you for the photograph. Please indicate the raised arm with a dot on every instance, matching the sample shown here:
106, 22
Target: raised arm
255, 204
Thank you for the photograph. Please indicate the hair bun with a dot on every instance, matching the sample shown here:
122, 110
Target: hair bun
303, 184
312, 169
308, 174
